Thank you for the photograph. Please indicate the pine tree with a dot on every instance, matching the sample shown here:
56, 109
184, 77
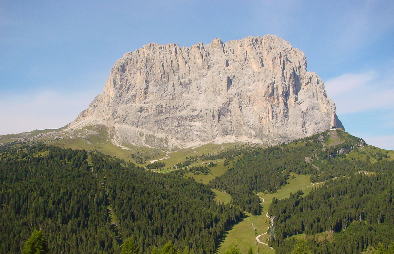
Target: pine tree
168, 248
36, 244
129, 246
233, 250
301, 248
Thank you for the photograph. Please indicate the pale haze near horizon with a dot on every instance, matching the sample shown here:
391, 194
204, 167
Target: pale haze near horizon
56, 55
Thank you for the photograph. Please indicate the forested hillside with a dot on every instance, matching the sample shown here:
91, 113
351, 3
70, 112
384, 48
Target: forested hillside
265, 170
87, 202
352, 201
350, 214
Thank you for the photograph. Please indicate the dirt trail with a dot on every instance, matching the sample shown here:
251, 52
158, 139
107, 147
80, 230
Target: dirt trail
163, 158
271, 224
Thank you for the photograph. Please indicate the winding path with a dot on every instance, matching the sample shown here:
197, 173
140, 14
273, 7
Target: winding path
163, 158
258, 237
259, 241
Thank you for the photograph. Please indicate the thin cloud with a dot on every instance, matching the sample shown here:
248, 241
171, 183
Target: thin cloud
386, 142
348, 82
360, 24
367, 93
358, 92
276, 16
42, 110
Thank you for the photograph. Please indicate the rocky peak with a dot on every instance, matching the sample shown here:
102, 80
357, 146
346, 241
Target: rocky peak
255, 89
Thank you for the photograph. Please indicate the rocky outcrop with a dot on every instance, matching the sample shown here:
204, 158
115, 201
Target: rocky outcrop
255, 90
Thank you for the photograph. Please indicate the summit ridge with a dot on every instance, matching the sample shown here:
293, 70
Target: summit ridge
256, 89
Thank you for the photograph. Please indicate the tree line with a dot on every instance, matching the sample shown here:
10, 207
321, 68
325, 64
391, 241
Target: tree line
356, 211
87, 202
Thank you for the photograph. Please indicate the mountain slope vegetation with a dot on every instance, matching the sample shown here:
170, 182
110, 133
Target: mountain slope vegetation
75, 196
86, 201
349, 214
266, 169
353, 192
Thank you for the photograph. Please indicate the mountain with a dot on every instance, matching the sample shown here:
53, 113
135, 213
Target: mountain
311, 190
254, 90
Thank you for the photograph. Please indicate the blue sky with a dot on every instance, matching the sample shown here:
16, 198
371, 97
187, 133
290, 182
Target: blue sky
56, 55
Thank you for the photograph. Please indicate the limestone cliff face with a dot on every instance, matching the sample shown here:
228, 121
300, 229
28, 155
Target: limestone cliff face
256, 90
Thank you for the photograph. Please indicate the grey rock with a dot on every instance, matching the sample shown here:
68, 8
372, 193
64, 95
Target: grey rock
255, 90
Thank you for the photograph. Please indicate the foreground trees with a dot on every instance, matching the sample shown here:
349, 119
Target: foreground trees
129, 246
36, 244
343, 216
87, 202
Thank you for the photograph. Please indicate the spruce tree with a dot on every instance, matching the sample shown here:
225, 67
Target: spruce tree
129, 246
36, 244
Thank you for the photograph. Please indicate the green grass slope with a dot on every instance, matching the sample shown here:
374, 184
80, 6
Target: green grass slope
242, 175
243, 235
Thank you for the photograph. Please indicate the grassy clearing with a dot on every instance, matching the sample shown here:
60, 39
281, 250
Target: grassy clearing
295, 183
222, 197
244, 233
216, 171
334, 138
101, 142
14, 137
7, 138
41, 154
89, 138
93, 143
180, 155
319, 237
370, 154
391, 154
113, 218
